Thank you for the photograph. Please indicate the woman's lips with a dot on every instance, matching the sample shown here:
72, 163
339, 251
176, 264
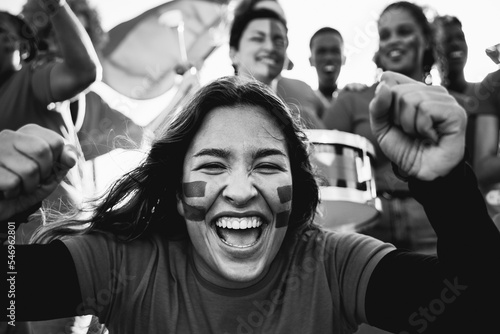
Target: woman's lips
239, 232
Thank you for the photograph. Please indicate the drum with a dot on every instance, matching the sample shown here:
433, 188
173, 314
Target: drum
344, 163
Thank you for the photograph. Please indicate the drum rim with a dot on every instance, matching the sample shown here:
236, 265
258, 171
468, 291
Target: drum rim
321, 136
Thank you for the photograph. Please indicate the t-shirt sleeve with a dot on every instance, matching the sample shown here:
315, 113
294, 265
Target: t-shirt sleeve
339, 115
41, 83
492, 84
102, 272
355, 259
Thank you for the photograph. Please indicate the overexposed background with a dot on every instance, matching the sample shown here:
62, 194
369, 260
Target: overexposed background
355, 19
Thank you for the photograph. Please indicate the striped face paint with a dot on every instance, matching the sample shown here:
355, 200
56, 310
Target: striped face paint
285, 196
285, 193
191, 190
194, 189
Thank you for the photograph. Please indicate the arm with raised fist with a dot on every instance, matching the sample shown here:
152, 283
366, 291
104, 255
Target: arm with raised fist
422, 130
33, 160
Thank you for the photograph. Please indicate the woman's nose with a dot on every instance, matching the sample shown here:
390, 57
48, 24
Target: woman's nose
240, 188
268, 44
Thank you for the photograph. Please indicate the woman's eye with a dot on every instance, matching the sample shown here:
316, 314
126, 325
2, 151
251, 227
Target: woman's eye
405, 31
257, 39
383, 35
212, 167
280, 42
268, 168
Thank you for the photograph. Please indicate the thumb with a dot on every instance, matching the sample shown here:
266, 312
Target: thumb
380, 110
69, 156
67, 159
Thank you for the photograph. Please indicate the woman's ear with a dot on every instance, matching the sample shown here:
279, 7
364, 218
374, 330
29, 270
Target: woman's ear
376, 59
180, 206
24, 49
233, 55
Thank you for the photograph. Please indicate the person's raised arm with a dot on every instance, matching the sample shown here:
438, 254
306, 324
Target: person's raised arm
422, 130
33, 160
486, 160
80, 65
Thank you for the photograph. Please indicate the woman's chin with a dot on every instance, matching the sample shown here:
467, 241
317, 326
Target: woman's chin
242, 274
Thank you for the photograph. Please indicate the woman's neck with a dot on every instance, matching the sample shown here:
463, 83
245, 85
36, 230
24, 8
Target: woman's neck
265, 81
456, 82
417, 75
327, 90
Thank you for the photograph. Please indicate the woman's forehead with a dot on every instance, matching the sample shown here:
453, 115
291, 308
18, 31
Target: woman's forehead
271, 26
240, 115
227, 125
396, 16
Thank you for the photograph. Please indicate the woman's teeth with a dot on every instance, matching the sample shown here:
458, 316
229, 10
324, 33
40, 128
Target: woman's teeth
456, 54
395, 53
238, 223
329, 68
239, 232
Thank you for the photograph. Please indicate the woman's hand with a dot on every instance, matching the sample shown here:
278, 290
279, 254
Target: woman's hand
420, 128
33, 160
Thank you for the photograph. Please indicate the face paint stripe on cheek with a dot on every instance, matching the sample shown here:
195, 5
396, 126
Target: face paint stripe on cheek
282, 219
285, 193
194, 213
194, 189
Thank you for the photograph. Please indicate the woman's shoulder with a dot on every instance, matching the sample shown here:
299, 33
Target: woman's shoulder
100, 241
338, 240
349, 92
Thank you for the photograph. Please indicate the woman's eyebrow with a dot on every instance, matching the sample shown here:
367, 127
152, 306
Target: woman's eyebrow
265, 152
214, 152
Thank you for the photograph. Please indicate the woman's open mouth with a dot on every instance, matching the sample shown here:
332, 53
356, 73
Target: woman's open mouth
242, 232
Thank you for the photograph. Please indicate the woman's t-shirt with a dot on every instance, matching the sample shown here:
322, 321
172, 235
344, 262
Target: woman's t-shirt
152, 286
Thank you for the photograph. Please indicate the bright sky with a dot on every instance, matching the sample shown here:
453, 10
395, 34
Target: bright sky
355, 19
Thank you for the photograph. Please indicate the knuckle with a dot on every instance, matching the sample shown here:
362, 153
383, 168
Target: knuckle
6, 134
41, 148
29, 128
12, 181
31, 169
439, 89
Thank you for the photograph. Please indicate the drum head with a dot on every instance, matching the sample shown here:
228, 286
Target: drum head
345, 216
346, 210
347, 186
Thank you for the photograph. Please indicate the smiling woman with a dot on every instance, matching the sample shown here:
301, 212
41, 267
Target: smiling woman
214, 232
244, 173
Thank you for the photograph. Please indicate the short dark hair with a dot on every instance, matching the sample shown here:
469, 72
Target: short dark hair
446, 20
325, 30
24, 31
240, 22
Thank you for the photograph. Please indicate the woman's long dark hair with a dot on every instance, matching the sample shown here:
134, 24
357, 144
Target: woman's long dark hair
143, 201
